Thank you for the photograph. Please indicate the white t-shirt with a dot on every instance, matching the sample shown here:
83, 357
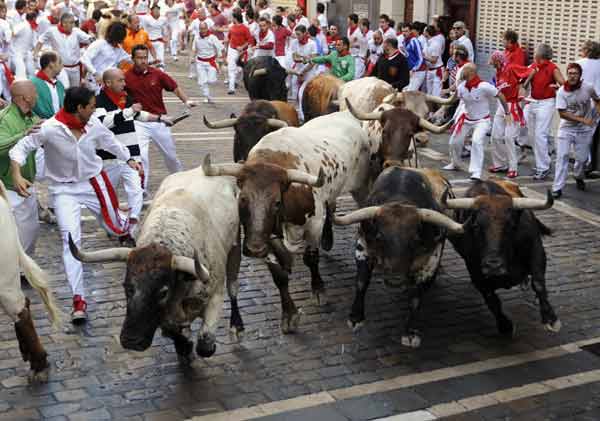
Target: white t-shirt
466, 42
435, 48
322, 20
477, 100
156, 28
375, 51
269, 38
195, 25
577, 102
207, 47
388, 34
591, 72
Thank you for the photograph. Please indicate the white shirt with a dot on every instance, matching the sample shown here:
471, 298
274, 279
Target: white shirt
466, 42
307, 51
154, 27
577, 102
67, 159
267, 13
435, 48
253, 28
388, 34
54, 96
142, 8
358, 43
195, 25
591, 72
303, 21
208, 47
323, 21
173, 13
14, 18
269, 38
23, 38
67, 46
100, 55
477, 100
5, 36
375, 51
71, 8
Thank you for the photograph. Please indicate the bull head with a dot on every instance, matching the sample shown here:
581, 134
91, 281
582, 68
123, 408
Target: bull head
261, 201
274, 123
151, 286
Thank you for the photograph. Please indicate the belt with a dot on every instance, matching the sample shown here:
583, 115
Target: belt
210, 60
517, 112
72, 66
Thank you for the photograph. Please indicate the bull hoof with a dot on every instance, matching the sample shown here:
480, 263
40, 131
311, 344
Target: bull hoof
289, 323
412, 340
40, 376
553, 327
237, 333
206, 345
320, 297
355, 326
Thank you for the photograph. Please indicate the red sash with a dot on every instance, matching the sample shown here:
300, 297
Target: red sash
457, 128
210, 60
121, 227
10, 77
517, 113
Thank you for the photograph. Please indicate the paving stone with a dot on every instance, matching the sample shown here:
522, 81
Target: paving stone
60, 409
98, 414
71, 395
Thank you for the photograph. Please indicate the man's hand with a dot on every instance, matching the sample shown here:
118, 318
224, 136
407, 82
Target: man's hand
34, 129
190, 104
508, 118
3, 103
588, 121
135, 165
21, 184
137, 107
167, 120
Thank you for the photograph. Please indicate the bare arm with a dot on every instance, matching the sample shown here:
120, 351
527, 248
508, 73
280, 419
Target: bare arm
575, 119
502, 100
558, 77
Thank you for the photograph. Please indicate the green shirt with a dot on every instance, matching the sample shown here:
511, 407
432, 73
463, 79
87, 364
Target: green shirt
43, 105
13, 125
341, 67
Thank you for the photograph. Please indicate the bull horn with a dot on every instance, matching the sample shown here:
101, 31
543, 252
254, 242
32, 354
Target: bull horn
221, 169
440, 100
363, 116
259, 72
220, 124
463, 203
392, 98
533, 204
295, 176
432, 127
437, 218
276, 123
192, 267
357, 216
115, 254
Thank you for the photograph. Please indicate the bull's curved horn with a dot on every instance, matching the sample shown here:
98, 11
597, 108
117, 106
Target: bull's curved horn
440, 100
276, 123
259, 72
432, 127
357, 216
192, 267
437, 218
295, 176
220, 124
362, 116
463, 203
221, 169
115, 254
394, 97
533, 204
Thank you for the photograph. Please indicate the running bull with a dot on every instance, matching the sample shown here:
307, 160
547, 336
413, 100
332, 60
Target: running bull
289, 186
187, 247
403, 230
264, 78
502, 245
257, 119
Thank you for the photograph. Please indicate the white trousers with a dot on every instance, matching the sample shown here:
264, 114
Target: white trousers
23, 64
68, 198
307, 78
25, 210
504, 136
232, 67
119, 171
161, 135
159, 47
207, 75
457, 140
539, 117
70, 77
434, 83
578, 138
359, 67
417, 79
174, 42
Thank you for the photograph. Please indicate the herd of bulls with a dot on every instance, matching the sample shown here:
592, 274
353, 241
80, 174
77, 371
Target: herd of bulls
281, 193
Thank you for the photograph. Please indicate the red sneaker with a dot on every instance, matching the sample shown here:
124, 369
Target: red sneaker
512, 174
78, 315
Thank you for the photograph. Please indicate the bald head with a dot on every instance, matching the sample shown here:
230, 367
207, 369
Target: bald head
114, 79
24, 95
469, 70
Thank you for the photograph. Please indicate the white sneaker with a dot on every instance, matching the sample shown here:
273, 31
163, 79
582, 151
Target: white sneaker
190, 76
208, 100
450, 167
175, 59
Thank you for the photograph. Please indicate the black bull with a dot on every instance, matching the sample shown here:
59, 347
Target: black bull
502, 245
264, 78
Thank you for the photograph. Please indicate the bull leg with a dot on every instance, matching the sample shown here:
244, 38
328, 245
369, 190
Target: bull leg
364, 270
311, 260
289, 313
207, 338
412, 336
183, 346
30, 345
327, 235
236, 324
504, 324
538, 283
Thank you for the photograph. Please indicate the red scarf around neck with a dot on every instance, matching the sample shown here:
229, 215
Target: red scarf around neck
304, 39
344, 54
117, 98
351, 29
33, 24
70, 120
473, 83
52, 20
570, 88
262, 35
62, 29
208, 33
41, 75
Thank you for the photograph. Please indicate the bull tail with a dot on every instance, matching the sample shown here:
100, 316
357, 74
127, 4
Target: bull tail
543, 228
36, 276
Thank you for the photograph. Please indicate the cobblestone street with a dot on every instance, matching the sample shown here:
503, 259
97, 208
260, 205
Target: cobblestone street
462, 371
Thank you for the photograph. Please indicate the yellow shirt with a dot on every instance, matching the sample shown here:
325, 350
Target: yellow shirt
131, 40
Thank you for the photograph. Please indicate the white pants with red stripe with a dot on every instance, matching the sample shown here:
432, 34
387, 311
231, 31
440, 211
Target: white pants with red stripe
68, 198
207, 75
25, 211
504, 137
417, 79
163, 139
159, 47
457, 141
434, 83
119, 171
70, 77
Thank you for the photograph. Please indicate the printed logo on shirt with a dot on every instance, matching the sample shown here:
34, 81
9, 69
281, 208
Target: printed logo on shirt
393, 71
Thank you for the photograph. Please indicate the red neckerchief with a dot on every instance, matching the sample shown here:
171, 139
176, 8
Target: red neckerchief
344, 54
304, 39
318, 30
53, 20
364, 31
62, 30
117, 98
213, 13
540, 65
33, 24
473, 83
208, 33
262, 35
351, 29
409, 37
70, 120
393, 55
41, 75
458, 65
570, 88
513, 48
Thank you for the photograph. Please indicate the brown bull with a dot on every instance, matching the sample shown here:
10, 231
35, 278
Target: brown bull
320, 96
